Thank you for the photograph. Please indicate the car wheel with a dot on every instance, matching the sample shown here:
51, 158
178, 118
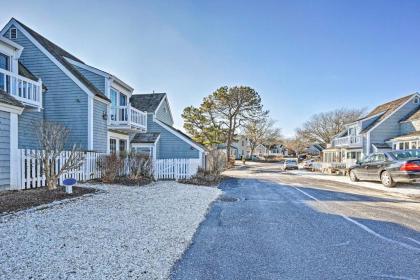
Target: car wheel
353, 176
387, 180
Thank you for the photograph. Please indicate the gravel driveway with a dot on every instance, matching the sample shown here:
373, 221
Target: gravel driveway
125, 232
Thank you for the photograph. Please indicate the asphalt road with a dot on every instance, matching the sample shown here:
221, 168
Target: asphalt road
272, 225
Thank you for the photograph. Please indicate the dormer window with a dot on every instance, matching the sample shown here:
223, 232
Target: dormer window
13, 33
416, 100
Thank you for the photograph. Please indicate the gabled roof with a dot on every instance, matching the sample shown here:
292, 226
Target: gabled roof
9, 100
385, 110
149, 137
182, 134
60, 54
147, 102
413, 115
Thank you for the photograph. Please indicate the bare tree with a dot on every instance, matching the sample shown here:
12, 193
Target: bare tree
296, 144
323, 127
261, 131
52, 138
273, 137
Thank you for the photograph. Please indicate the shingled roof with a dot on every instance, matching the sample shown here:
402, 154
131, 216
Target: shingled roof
149, 137
414, 115
147, 102
384, 110
60, 54
9, 100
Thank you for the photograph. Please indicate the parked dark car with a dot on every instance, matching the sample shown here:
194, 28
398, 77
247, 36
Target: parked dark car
389, 168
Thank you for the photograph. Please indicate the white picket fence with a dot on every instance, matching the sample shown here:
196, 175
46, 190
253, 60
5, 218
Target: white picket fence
30, 173
169, 169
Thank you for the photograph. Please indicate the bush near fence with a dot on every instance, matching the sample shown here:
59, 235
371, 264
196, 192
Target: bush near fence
30, 173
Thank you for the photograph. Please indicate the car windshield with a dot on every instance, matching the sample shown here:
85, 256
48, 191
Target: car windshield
291, 161
401, 155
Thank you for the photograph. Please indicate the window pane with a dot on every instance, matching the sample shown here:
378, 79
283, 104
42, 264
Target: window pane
413, 145
4, 62
114, 95
122, 146
146, 151
113, 145
407, 145
401, 146
123, 100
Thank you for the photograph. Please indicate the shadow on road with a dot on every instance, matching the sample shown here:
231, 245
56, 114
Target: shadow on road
269, 230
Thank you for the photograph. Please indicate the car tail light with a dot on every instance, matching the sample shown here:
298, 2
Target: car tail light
410, 166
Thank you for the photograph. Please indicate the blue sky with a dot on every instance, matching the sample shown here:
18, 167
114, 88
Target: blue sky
303, 57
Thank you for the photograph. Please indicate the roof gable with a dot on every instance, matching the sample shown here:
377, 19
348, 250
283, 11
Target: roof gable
58, 53
147, 102
414, 115
385, 110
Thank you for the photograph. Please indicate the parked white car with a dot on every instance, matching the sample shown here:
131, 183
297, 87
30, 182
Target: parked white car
290, 164
308, 163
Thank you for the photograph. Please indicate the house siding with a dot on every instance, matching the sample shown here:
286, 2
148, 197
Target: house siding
64, 102
27, 137
407, 127
170, 145
100, 127
163, 114
97, 80
368, 122
391, 127
4, 150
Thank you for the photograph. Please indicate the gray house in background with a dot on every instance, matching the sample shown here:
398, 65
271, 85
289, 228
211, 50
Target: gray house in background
392, 125
162, 140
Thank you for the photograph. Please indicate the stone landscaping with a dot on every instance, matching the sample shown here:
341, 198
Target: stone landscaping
119, 233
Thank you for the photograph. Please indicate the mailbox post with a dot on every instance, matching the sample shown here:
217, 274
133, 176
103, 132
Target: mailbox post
69, 183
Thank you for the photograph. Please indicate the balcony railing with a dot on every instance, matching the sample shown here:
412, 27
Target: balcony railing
127, 117
351, 141
23, 89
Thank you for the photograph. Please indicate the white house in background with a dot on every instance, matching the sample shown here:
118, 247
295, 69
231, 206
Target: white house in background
392, 125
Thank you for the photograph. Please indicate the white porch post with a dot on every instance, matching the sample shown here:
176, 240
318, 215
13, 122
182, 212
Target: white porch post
14, 152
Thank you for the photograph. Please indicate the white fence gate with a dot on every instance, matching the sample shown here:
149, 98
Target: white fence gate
176, 168
30, 173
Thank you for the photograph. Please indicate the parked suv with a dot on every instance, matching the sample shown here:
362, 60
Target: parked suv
389, 168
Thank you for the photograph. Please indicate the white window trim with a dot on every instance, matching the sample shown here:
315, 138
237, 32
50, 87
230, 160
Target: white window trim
117, 137
10, 35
